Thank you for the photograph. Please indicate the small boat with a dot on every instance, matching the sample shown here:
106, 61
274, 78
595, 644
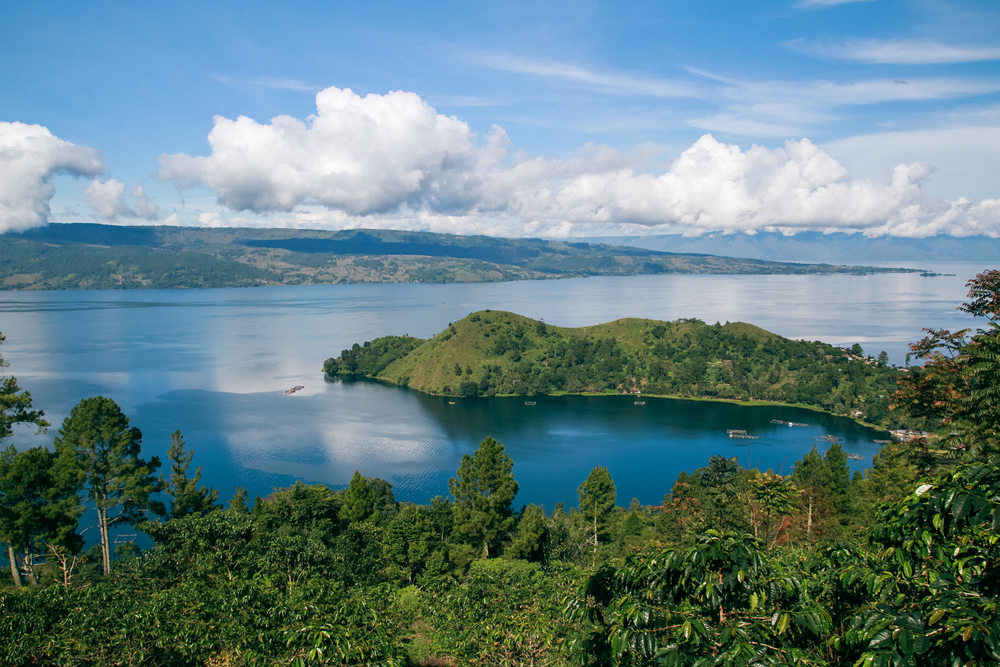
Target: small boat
640, 402
529, 402
451, 402
289, 392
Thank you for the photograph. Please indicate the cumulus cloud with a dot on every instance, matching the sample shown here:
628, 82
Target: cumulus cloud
393, 157
29, 156
363, 155
108, 201
144, 206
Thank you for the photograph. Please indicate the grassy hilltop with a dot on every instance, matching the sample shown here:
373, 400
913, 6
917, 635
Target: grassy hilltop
499, 353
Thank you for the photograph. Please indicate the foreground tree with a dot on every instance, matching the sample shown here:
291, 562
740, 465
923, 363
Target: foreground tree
99, 451
958, 388
37, 510
15, 408
15, 404
597, 502
484, 488
186, 496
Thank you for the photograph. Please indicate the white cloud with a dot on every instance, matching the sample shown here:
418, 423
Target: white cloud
832, 93
394, 161
29, 156
970, 153
896, 51
781, 108
363, 155
144, 206
108, 201
614, 84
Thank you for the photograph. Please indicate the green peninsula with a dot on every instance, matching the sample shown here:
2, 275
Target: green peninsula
94, 256
499, 353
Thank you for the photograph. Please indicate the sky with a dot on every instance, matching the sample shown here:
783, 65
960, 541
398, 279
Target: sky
550, 119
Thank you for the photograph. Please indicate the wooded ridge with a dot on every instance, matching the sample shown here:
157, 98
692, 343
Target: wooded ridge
94, 256
493, 353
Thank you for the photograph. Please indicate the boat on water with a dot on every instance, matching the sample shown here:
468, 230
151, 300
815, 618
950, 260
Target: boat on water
289, 392
529, 402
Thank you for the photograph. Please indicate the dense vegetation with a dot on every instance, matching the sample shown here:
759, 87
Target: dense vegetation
93, 256
493, 352
897, 567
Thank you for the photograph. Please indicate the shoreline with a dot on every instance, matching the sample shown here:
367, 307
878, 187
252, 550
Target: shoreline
673, 397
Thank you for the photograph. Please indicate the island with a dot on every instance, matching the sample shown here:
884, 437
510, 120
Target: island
497, 353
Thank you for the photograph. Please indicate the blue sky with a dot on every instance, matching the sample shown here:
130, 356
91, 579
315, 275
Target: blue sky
533, 118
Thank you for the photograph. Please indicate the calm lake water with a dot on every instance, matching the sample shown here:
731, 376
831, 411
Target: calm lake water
212, 363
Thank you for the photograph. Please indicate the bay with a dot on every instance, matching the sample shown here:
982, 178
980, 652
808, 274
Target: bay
212, 364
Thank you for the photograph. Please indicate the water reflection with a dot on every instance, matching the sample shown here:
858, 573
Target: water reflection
212, 363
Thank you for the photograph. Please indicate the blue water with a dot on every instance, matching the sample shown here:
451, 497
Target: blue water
212, 364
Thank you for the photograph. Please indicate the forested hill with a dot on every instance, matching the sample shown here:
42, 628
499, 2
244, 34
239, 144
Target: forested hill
495, 352
92, 256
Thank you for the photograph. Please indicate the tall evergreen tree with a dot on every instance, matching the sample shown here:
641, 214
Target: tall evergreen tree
484, 488
186, 496
15, 408
359, 501
529, 540
840, 490
15, 404
37, 509
100, 452
597, 502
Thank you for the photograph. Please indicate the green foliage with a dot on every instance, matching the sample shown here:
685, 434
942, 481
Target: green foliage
505, 614
94, 256
484, 488
530, 538
99, 451
15, 404
358, 501
597, 502
510, 354
186, 496
934, 579
958, 387
719, 602
371, 358
37, 507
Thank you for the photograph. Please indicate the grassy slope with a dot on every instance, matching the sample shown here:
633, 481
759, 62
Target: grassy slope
511, 354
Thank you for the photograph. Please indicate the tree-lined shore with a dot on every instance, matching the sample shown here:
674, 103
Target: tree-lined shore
493, 353
898, 566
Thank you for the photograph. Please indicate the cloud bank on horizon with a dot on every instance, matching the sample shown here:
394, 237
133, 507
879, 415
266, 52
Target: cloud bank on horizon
381, 154
393, 159
880, 117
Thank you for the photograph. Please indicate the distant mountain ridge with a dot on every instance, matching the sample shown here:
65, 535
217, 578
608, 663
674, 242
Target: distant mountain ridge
819, 247
96, 256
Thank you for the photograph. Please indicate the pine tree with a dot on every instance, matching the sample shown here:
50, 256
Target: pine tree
359, 501
484, 488
597, 502
100, 451
37, 508
187, 497
16, 408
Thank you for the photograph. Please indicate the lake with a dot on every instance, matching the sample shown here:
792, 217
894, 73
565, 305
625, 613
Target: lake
212, 364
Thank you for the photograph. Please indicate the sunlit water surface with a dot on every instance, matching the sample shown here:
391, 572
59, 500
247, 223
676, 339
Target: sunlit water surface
212, 364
